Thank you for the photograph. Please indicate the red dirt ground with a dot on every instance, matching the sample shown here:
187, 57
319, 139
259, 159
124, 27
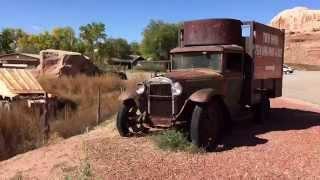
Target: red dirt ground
285, 147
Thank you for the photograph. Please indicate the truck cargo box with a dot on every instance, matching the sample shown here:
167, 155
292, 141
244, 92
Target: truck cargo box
264, 46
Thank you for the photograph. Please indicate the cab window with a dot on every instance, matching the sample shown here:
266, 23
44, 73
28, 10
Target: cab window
233, 62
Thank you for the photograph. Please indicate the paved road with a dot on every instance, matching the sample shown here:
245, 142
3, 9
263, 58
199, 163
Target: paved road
303, 85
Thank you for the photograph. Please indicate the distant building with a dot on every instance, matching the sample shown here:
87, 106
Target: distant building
20, 60
129, 62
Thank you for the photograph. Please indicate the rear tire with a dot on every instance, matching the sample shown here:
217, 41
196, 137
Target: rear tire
262, 110
206, 125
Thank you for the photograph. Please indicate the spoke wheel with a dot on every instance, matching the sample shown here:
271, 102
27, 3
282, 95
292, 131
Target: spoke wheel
129, 120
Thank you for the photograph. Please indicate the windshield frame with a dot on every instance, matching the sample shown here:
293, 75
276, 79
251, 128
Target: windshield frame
219, 70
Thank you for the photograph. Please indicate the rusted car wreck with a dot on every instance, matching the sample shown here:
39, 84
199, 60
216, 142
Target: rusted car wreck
223, 70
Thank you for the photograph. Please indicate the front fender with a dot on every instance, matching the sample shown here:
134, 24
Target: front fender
203, 95
128, 94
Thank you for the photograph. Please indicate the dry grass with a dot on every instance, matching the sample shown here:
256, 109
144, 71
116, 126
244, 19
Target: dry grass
83, 91
19, 131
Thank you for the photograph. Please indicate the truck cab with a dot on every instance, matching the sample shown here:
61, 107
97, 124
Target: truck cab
217, 75
226, 61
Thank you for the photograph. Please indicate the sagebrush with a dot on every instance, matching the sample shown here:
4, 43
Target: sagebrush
174, 140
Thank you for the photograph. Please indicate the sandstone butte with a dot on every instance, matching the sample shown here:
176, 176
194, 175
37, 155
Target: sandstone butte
302, 27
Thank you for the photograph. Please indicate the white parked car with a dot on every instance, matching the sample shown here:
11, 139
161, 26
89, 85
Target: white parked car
287, 69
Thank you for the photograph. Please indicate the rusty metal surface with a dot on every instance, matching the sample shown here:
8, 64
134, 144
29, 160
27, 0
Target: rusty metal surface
199, 73
15, 82
264, 49
269, 49
217, 48
199, 84
202, 95
212, 32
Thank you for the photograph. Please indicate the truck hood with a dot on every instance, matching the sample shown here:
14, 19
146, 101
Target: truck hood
193, 74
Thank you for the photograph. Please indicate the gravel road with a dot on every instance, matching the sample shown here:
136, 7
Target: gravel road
303, 85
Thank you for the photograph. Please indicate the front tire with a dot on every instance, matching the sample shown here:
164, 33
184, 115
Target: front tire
206, 125
129, 120
122, 121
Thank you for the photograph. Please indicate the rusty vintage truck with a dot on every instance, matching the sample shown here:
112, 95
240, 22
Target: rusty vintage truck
223, 70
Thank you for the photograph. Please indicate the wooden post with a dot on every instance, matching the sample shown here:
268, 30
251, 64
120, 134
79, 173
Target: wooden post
99, 107
65, 112
44, 118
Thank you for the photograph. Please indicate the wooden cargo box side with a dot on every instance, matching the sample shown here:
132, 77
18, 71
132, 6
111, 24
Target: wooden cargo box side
264, 61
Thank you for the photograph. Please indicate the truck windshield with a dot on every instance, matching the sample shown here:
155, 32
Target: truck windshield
188, 61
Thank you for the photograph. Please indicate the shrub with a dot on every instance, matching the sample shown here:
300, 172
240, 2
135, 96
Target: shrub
174, 141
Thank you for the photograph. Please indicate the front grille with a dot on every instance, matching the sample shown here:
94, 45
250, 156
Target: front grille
160, 89
160, 100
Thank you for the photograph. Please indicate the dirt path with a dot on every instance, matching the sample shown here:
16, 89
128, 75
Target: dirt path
302, 85
286, 147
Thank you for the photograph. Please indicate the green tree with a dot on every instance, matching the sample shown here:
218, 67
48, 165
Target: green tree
28, 44
64, 38
121, 48
9, 38
135, 48
35, 43
113, 48
158, 39
93, 35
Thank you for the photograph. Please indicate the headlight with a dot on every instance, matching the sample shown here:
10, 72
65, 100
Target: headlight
141, 88
176, 89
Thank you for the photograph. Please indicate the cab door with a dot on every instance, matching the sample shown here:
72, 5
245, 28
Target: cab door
233, 85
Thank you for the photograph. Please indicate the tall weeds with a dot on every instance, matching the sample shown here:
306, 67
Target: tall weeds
83, 91
20, 129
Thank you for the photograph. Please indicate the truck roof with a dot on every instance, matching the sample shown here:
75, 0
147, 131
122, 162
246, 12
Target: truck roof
215, 48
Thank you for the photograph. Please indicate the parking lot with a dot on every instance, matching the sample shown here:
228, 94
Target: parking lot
302, 85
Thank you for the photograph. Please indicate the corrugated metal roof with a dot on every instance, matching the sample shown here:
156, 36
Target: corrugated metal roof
14, 82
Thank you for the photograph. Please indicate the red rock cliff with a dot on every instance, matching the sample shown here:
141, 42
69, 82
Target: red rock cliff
302, 27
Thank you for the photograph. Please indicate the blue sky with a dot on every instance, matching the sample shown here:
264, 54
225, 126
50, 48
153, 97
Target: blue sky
127, 18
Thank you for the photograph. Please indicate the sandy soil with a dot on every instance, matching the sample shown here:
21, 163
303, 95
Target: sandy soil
285, 147
302, 85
